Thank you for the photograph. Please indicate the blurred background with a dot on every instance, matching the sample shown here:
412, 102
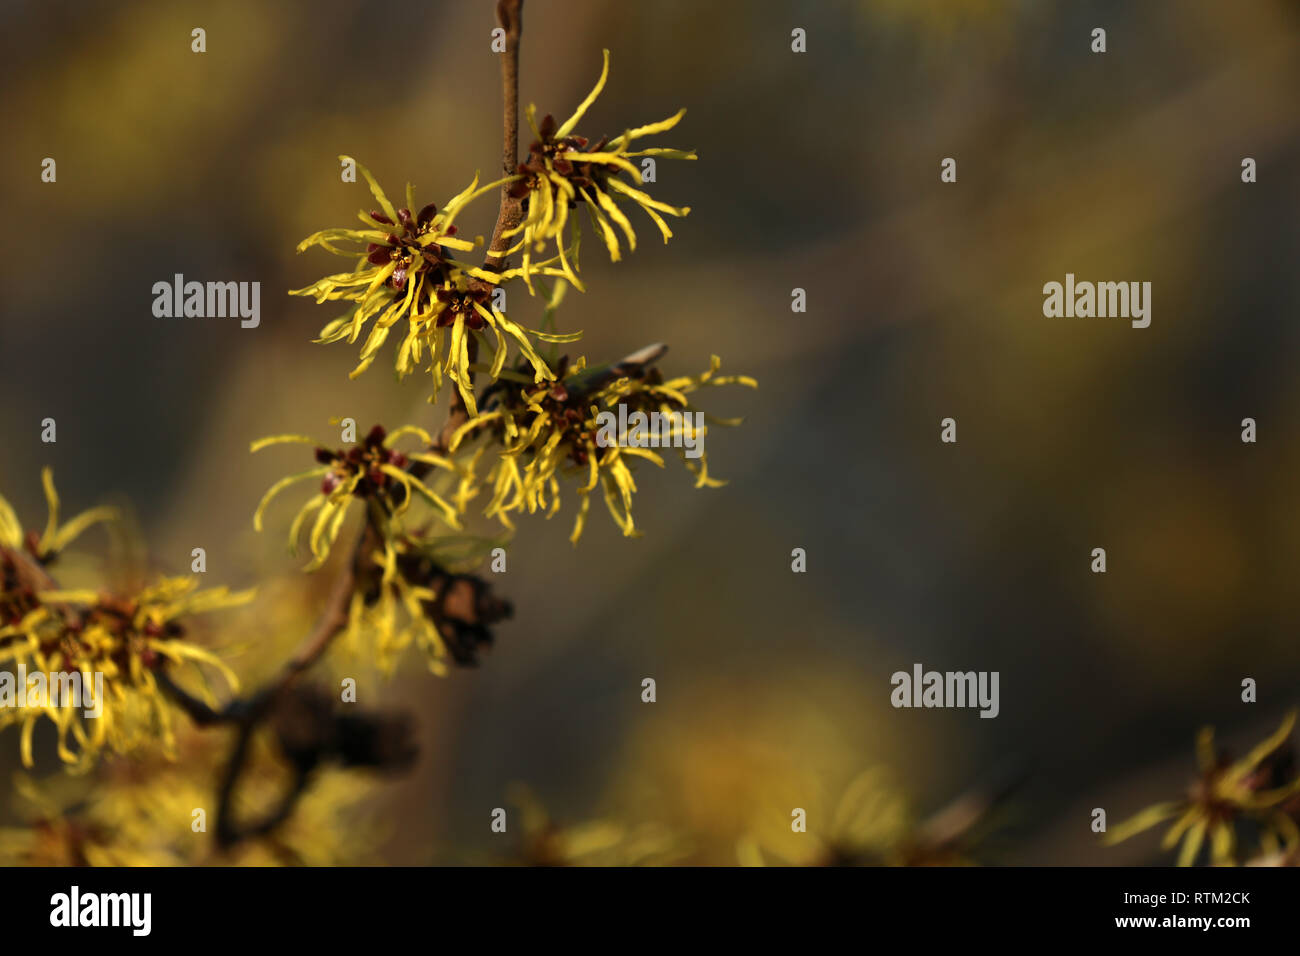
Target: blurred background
818, 171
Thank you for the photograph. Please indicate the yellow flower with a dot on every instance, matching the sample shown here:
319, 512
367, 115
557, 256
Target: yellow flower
465, 309
110, 645
55, 538
404, 272
420, 600
564, 169
1223, 794
543, 842
371, 471
871, 825
556, 431
139, 811
871, 819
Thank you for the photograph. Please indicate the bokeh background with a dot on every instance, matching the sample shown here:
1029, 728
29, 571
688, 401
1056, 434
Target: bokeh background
818, 171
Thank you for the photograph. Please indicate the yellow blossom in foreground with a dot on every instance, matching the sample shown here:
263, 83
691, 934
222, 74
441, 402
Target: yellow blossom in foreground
564, 170
421, 599
111, 643
371, 471
560, 431
140, 812
1224, 793
404, 273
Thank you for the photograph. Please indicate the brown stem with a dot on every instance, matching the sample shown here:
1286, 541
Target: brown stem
335, 616
510, 16
31, 573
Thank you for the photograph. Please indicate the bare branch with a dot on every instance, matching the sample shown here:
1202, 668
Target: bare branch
510, 16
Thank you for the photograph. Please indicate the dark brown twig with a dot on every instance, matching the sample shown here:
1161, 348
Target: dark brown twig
510, 16
31, 573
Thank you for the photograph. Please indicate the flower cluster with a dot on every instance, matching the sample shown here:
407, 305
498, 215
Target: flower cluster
540, 435
1252, 790
415, 598
371, 472
113, 644
564, 170
139, 811
873, 824
409, 595
536, 422
101, 644
405, 272
543, 841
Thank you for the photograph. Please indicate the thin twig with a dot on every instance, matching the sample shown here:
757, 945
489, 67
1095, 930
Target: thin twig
31, 573
510, 16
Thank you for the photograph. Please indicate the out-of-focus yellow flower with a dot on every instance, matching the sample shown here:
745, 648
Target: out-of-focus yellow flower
552, 432
405, 273
564, 169
371, 471
139, 811
56, 537
113, 643
1276, 857
418, 600
1224, 793
871, 824
594, 843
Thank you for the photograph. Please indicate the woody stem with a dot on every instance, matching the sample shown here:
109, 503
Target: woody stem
510, 16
